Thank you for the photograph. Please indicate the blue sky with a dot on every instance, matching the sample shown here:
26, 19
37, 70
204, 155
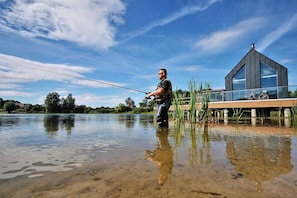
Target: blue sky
84, 46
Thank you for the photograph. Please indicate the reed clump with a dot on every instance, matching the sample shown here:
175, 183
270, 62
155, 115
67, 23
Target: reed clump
178, 113
197, 95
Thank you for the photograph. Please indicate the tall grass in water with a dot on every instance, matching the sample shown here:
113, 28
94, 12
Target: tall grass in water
204, 99
193, 99
237, 113
294, 111
178, 113
280, 116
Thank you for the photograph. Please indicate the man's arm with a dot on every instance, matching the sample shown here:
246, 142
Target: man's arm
159, 91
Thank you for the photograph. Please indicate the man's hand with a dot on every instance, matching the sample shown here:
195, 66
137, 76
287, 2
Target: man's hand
148, 96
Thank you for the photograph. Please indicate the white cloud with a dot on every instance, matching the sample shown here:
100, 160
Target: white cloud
14, 71
278, 33
219, 41
87, 22
98, 100
192, 68
285, 61
188, 10
15, 93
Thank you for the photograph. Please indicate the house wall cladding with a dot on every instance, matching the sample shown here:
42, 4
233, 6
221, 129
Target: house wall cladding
252, 61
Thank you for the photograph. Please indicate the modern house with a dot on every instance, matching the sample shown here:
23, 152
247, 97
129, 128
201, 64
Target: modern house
256, 75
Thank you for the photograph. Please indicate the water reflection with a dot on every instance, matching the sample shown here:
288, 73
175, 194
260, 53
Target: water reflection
52, 123
127, 119
260, 158
200, 147
162, 155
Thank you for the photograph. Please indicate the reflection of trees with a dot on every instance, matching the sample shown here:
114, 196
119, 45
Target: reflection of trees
9, 121
162, 155
129, 120
259, 158
51, 123
68, 123
146, 120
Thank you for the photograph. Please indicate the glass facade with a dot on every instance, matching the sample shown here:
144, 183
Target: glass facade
269, 80
268, 76
239, 83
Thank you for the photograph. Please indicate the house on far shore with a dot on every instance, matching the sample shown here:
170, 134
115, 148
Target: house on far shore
256, 74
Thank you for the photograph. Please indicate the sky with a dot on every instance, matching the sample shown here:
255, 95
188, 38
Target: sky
104, 51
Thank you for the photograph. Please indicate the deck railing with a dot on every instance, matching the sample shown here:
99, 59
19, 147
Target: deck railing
253, 94
249, 94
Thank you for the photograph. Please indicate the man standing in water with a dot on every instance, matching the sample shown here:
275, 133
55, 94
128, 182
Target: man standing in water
163, 98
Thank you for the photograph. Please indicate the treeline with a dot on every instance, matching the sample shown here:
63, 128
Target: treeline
53, 103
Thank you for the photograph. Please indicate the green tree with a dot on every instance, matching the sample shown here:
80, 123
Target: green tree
9, 106
52, 103
28, 107
144, 103
70, 103
292, 94
37, 108
130, 103
122, 108
1, 102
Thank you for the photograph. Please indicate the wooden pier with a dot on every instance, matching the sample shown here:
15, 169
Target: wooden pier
253, 106
248, 104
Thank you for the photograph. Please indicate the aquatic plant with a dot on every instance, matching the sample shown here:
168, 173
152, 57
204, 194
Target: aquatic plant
204, 98
294, 110
178, 114
193, 99
237, 113
200, 95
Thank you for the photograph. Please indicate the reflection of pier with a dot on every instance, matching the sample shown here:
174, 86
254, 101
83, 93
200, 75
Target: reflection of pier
260, 158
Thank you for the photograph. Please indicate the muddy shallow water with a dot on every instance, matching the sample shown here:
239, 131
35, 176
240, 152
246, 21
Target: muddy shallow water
126, 156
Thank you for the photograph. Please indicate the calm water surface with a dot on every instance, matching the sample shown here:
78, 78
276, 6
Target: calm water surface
250, 159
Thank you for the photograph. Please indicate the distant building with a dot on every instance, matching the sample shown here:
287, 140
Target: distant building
254, 74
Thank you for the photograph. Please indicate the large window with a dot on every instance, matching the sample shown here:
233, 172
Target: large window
268, 76
238, 83
269, 80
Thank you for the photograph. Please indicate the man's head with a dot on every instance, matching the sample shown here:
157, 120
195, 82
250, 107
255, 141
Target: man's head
162, 74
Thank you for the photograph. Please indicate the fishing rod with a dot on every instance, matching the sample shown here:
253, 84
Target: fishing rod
92, 80
117, 86
113, 85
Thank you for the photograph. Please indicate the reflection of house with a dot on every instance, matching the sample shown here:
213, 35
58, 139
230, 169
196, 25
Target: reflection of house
256, 73
260, 159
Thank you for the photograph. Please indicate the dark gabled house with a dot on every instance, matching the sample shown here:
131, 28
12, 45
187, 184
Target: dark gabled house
254, 74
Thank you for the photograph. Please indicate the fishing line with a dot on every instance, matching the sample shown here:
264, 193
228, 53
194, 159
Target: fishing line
84, 78
106, 83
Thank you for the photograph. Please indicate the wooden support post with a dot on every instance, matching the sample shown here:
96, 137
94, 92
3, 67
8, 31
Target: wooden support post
254, 117
287, 115
226, 116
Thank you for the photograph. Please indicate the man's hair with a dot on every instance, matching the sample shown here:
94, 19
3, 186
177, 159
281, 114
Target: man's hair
165, 71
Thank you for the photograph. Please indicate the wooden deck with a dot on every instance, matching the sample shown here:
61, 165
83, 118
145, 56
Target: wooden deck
248, 104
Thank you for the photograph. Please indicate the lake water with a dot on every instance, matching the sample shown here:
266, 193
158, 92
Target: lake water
131, 157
